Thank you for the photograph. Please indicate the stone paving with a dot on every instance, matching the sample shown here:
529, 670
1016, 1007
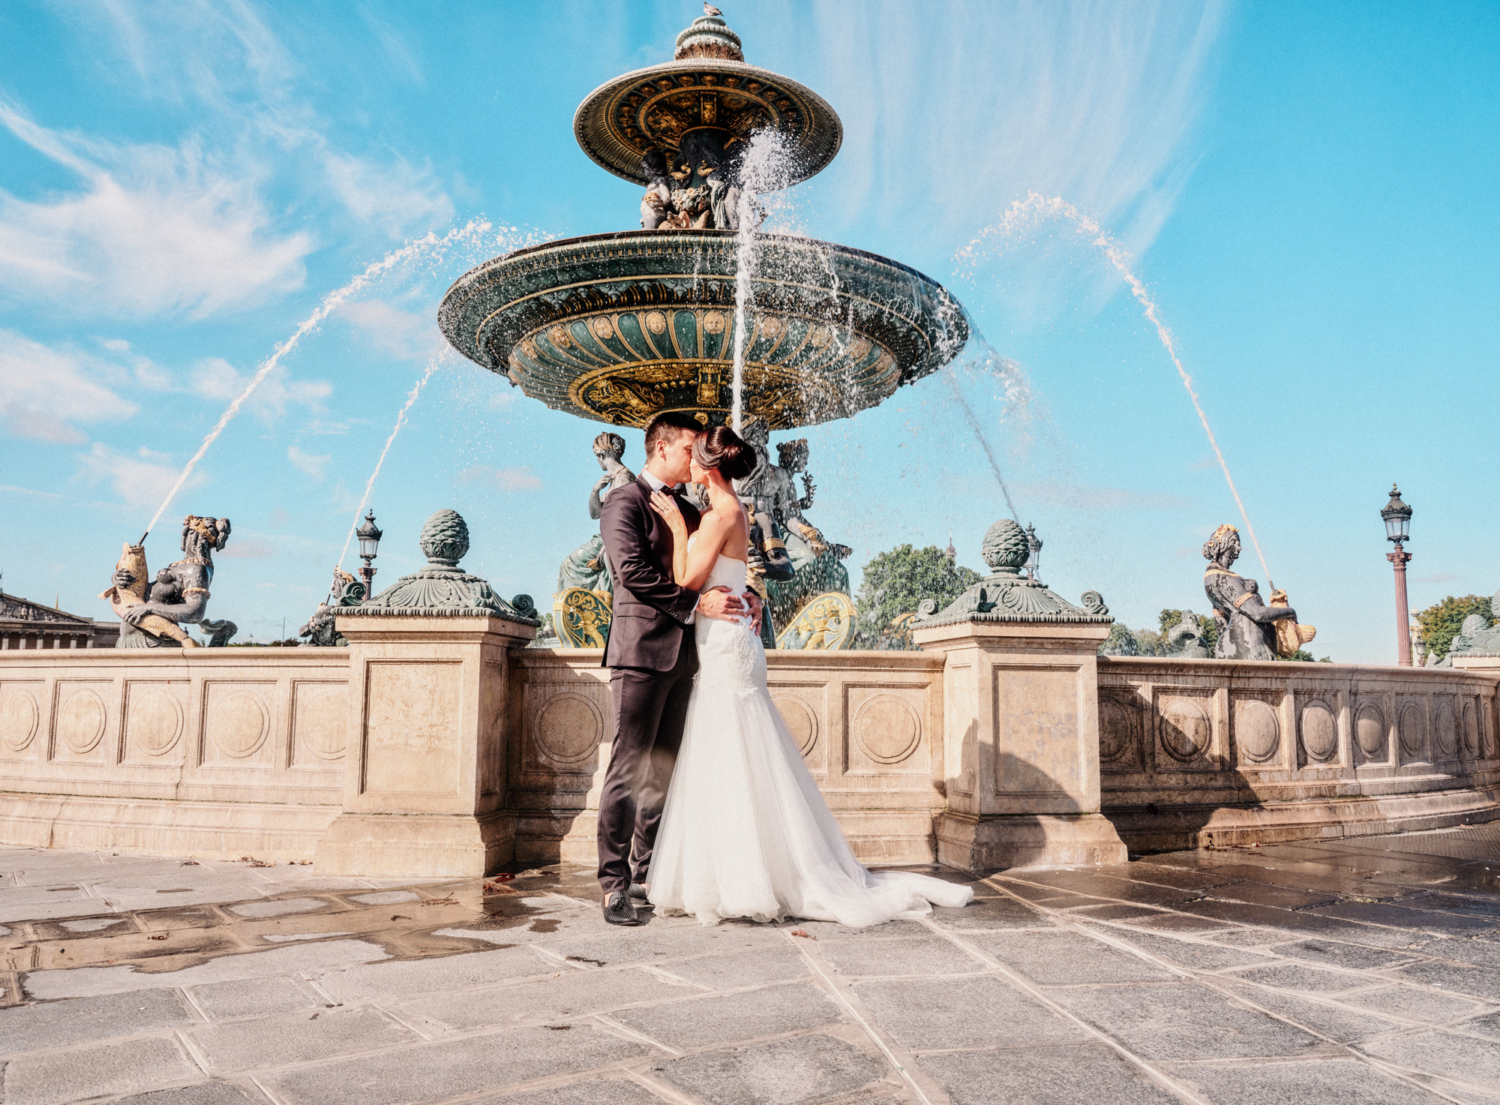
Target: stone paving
1365, 970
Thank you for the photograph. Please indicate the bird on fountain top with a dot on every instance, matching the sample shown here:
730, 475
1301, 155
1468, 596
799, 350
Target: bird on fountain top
709, 9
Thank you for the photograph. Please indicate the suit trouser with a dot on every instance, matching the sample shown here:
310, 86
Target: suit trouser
650, 711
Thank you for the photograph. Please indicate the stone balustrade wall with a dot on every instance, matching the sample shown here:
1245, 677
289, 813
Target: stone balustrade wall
236, 752
209, 751
1196, 752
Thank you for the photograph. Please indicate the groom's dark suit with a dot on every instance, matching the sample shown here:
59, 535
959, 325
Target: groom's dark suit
654, 655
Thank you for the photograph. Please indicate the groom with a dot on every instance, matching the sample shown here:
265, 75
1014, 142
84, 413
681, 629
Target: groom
653, 655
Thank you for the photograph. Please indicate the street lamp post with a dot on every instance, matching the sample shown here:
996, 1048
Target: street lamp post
369, 543
1397, 518
1034, 553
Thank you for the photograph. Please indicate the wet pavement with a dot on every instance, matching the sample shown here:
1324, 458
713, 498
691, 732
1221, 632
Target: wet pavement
1364, 970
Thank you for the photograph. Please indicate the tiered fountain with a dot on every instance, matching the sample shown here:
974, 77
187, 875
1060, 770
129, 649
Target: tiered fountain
619, 327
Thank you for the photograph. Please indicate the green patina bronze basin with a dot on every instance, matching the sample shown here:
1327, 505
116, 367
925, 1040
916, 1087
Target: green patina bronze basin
618, 327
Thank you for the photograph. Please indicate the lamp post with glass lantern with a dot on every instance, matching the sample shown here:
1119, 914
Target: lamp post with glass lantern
1034, 553
369, 543
1397, 518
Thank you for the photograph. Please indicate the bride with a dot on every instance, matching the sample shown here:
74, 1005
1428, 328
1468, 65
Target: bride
745, 831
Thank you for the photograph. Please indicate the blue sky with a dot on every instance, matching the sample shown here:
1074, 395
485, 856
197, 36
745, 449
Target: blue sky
1308, 191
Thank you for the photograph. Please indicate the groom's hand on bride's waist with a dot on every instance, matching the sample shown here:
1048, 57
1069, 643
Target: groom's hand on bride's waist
723, 604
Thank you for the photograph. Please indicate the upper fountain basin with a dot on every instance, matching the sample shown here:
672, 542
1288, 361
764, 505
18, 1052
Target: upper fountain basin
619, 327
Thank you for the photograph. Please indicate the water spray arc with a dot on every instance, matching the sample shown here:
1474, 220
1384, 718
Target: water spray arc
430, 243
411, 399
1038, 207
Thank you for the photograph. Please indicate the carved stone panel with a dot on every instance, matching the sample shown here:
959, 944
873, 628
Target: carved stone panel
1037, 739
320, 722
1444, 728
1185, 731
1320, 732
20, 716
1411, 730
1121, 725
237, 719
886, 730
1370, 732
154, 716
800, 720
568, 729
411, 736
1257, 731
81, 720
1471, 726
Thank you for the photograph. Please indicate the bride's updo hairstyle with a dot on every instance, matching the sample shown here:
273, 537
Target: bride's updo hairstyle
725, 450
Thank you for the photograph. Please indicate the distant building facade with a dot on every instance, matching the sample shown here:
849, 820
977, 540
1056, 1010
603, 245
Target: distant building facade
27, 624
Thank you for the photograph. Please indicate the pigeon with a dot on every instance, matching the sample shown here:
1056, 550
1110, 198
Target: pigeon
709, 9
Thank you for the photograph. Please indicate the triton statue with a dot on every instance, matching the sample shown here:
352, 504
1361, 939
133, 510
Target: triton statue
154, 613
1249, 628
346, 591
586, 566
795, 560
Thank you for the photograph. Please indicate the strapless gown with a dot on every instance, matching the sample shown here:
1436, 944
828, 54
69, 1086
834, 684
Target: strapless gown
745, 831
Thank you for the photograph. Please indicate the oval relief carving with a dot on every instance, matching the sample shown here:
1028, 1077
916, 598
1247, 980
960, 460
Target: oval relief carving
1257, 729
887, 728
80, 722
322, 719
1471, 727
153, 721
568, 728
1117, 729
1445, 729
1409, 728
1320, 735
239, 724
1185, 732
799, 719
1369, 731
18, 718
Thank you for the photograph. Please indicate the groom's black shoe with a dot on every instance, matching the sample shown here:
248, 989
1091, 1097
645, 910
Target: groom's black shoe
638, 892
619, 909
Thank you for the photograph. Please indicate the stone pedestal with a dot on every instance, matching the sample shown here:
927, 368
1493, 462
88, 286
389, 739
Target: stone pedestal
1021, 745
424, 783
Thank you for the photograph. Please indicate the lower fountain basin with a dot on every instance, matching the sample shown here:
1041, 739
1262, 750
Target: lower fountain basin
619, 327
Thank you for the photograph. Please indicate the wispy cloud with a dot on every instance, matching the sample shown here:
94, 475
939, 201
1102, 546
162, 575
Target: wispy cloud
216, 378
150, 229
307, 463
408, 335
522, 478
46, 392
951, 113
140, 479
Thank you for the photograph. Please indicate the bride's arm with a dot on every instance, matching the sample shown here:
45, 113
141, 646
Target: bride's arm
691, 567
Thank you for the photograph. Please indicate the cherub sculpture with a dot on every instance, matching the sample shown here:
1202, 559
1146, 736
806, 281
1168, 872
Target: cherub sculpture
1247, 625
656, 204
154, 614
587, 566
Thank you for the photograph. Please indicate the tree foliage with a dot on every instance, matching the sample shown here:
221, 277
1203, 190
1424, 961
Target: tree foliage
1440, 623
896, 581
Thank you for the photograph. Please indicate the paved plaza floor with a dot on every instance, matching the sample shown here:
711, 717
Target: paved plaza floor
1355, 971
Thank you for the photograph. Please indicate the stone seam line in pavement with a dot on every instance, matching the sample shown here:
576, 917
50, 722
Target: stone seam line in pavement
1212, 980
1404, 1075
1226, 982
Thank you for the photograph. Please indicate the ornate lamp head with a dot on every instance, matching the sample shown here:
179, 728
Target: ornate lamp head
369, 536
1397, 517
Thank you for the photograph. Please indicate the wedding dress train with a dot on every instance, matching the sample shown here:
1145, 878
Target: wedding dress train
745, 831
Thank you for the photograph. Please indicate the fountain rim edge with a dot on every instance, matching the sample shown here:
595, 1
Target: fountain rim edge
721, 65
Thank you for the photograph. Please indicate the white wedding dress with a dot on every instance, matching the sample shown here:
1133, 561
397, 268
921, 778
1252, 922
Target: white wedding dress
745, 831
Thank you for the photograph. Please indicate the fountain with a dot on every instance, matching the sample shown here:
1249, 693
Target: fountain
620, 327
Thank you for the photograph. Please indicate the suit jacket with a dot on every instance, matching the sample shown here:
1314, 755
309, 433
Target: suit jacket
651, 612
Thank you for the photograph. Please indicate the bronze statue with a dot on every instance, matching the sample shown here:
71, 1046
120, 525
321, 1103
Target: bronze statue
1186, 638
154, 614
1248, 626
320, 629
587, 566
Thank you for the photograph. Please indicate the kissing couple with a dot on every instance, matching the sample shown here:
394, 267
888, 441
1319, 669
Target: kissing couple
707, 806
